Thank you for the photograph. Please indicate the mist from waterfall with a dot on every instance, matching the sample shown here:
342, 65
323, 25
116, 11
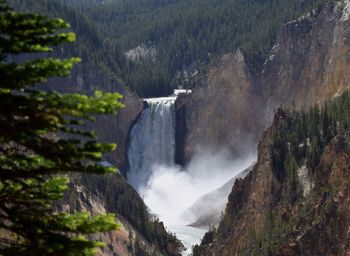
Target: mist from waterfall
171, 190
168, 189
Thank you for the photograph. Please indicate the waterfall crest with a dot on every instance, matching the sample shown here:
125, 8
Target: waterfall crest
152, 140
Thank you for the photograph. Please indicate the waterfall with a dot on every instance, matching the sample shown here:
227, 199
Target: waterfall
168, 189
152, 141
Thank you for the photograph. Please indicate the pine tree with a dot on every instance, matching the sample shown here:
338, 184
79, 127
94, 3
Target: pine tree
42, 139
313, 157
292, 180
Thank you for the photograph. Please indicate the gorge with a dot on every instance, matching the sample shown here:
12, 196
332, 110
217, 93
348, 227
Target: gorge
223, 120
307, 65
187, 162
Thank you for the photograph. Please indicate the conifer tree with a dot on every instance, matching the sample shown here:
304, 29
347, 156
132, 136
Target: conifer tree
292, 171
314, 153
42, 139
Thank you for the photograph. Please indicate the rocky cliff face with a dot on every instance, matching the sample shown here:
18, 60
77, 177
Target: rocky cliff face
310, 60
139, 234
226, 112
308, 64
260, 220
323, 229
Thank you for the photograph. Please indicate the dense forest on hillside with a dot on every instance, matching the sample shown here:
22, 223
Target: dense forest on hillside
187, 35
103, 51
303, 135
90, 47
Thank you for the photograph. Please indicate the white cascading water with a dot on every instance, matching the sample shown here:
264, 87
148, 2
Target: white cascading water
152, 141
167, 189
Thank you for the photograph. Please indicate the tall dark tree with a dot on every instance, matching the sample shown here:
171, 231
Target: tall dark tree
292, 176
42, 138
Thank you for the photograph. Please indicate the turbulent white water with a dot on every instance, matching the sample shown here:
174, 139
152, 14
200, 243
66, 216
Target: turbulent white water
152, 141
167, 189
188, 235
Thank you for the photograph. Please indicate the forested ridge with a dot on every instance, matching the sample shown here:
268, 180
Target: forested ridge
187, 35
305, 157
95, 48
302, 135
306, 139
90, 46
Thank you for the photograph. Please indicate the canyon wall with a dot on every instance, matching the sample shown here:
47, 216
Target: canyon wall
226, 112
260, 220
310, 60
308, 64
140, 233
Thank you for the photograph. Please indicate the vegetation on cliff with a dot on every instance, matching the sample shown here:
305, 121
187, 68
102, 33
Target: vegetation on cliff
190, 31
318, 140
122, 199
186, 35
304, 208
301, 136
101, 50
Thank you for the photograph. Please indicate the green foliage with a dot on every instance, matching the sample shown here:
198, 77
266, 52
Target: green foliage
42, 137
90, 46
291, 167
275, 234
301, 136
121, 198
187, 34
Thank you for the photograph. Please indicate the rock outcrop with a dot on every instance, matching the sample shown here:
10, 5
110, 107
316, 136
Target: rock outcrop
310, 60
226, 112
260, 220
139, 234
308, 64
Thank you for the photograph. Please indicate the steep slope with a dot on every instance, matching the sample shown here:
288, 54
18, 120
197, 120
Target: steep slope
221, 114
310, 60
273, 211
140, 234
100, 69
85, 78
308, 64
212, 205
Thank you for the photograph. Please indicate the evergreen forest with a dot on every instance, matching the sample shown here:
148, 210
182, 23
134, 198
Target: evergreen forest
188, 36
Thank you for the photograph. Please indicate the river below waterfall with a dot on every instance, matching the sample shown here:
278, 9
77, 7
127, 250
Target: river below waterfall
189, 236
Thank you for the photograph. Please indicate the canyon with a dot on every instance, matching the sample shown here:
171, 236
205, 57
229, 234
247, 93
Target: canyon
308, 65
